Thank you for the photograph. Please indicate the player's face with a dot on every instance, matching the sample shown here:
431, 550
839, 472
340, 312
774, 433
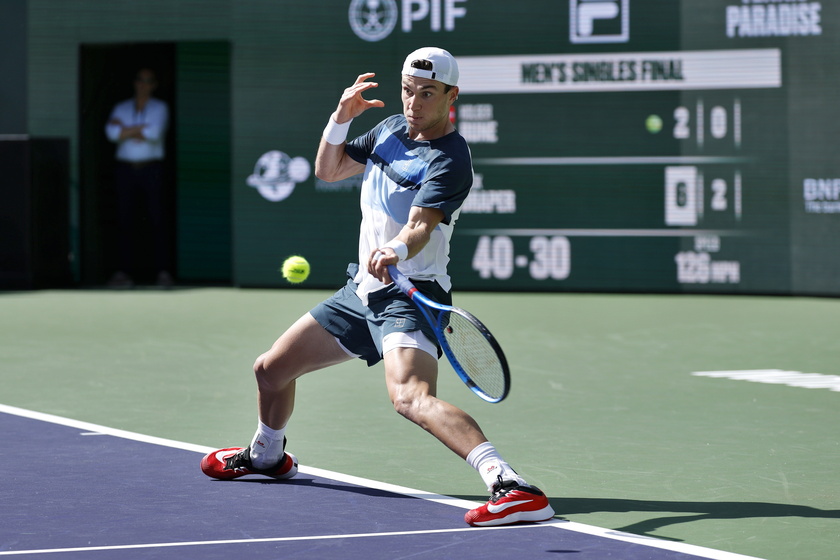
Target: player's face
426, 106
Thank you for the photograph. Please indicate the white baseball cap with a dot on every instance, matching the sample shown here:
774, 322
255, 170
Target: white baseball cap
432, 63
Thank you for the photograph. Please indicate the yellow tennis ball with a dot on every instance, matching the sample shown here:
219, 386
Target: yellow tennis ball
295, 269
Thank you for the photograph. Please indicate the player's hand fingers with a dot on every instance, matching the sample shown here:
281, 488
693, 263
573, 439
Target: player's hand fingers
379, 261
352, 103
355, 91
364, 77
386, 278
373, 261
353, 95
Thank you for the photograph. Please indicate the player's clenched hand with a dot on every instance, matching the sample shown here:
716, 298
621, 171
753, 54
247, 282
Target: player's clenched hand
352, 104
378, 262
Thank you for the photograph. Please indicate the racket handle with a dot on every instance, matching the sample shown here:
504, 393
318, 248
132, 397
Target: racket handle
400, 280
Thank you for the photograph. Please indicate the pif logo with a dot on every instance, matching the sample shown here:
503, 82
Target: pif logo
374, 20
599, 21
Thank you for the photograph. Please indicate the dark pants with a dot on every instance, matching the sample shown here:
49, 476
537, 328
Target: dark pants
142, 184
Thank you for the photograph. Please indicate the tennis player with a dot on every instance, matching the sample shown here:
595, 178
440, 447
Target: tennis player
417, 172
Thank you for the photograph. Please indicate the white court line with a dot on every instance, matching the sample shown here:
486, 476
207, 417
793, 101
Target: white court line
778, 377
699, 551
251, 541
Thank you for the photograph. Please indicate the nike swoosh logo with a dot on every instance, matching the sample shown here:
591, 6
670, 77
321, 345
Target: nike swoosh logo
493, 508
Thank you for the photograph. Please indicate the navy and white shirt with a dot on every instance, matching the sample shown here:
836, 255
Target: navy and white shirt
401, 173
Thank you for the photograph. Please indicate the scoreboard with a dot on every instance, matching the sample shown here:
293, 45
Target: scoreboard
618, 145
625, 171
664, 169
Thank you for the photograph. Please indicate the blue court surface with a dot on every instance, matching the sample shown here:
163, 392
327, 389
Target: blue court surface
73, 490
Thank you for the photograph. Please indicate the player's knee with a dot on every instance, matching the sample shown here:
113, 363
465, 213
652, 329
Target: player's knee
260, 373
259, 364
260, 367
402, 406
409, 407
270, 375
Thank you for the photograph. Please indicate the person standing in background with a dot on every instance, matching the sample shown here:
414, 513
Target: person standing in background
138, 127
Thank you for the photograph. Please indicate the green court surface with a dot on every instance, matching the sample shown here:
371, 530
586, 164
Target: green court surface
604, 414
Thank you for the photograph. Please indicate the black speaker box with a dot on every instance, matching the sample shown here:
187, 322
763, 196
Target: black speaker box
34, 213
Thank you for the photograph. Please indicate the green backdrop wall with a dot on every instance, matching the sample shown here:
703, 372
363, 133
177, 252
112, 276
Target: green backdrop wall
619, 145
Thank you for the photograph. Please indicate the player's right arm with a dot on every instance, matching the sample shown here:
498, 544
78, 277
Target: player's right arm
332, 163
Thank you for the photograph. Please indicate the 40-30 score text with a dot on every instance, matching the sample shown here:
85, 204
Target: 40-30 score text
550, 258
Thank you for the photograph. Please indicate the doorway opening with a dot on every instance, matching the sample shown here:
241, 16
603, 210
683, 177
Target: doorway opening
194, 80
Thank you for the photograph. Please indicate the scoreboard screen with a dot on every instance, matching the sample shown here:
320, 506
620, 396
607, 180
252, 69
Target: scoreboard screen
625, 171
618, 145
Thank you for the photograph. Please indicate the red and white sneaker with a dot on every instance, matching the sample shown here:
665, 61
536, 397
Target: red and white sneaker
234, 462
511, 503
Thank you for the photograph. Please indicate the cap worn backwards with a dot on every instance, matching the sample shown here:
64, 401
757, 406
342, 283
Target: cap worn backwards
432, 63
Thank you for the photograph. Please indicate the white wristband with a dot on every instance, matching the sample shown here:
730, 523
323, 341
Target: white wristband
400, 248
335, 133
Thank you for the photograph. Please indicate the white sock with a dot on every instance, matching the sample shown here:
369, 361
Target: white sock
267, 446
490, 465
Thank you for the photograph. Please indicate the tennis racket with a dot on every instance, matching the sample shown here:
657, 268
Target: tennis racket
472, 350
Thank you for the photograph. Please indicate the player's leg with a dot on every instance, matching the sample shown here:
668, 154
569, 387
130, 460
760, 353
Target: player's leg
411, 377
306, 346
303, 348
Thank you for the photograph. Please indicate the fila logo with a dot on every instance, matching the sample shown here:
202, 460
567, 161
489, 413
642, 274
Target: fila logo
599, 21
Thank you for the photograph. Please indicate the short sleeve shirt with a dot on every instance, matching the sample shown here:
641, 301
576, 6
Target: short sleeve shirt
401, 173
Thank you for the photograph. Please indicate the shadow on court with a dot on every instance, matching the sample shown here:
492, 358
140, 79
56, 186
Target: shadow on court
703, 510
313, 483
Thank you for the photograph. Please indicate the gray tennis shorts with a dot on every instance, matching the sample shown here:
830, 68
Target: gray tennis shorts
361, 329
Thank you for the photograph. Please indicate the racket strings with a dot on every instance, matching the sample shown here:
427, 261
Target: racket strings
474, 353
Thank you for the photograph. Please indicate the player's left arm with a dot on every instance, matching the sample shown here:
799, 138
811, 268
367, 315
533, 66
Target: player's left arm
415, 234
